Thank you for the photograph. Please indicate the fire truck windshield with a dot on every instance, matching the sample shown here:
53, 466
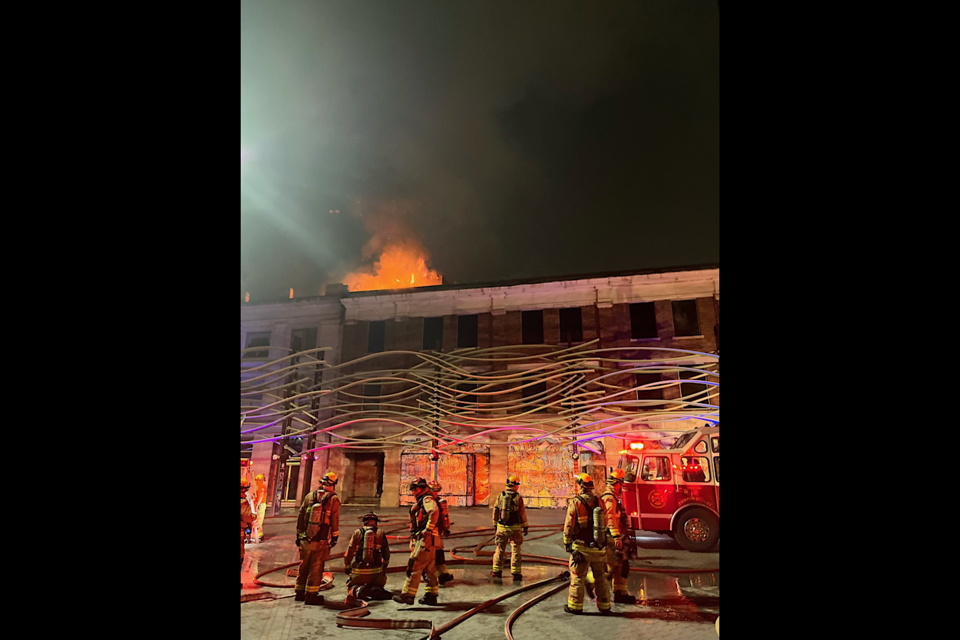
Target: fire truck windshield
684, 440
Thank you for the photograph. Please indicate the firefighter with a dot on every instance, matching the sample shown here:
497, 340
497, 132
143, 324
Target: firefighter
580, 532
619, 541
510, 516
424, 516
443, 527
369, 552
318, 528
260, 503
246, 517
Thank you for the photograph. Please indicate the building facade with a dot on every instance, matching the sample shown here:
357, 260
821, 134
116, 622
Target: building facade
470, 384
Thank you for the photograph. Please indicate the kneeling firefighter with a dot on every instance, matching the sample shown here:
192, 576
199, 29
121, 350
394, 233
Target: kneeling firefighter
318, 528
510, 516
620, 544
584, 537
369, 552
443, 527
424, 516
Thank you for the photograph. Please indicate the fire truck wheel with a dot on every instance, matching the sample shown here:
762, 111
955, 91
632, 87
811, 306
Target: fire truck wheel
697, 530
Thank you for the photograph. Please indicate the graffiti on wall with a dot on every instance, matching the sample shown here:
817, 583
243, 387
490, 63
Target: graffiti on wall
464, 474
546, 471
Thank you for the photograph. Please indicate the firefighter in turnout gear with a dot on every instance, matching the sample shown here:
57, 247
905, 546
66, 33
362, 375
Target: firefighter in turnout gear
366, 561
443, 526
424, 539
260, 503
584, 534
246, 516
510, 516
619, 542
318, 528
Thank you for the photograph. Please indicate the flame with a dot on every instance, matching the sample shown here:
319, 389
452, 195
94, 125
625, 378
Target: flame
400, 266
401, 258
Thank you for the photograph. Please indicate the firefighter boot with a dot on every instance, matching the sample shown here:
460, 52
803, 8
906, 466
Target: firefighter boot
403, 598
429, 598
314, 599
301, 595
573, 611
496, 574
444, 578
624, 598
518, 576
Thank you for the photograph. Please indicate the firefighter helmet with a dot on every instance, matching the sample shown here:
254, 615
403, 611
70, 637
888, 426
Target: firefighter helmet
329, 478
370, 515
244, 484
418, 483
617, 475
434, 486
584, 480
513, 481
259, 477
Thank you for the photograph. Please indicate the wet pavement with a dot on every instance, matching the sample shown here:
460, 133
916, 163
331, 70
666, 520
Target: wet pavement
671, 605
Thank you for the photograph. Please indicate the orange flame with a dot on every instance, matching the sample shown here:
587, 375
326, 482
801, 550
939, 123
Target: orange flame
399, 267
402, 260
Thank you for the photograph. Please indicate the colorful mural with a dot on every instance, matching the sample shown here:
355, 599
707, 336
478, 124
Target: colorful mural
464, 473
546, 471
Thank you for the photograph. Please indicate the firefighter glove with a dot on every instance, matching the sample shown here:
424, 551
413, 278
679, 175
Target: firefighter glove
619, 544
333, 541
297, 541
346, 570
525, 529
577, 558
568, 547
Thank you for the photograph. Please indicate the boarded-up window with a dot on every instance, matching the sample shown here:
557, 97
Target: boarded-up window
686, 321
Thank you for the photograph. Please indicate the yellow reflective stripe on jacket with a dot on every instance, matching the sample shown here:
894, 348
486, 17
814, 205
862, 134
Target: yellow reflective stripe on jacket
366, 572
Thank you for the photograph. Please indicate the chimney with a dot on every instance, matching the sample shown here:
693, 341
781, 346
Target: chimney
336, 290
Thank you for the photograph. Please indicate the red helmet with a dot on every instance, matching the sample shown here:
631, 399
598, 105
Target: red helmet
418, 483
434, 486
617, 475
585, 481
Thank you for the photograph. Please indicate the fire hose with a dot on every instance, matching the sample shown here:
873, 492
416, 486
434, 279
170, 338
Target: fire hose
353, 611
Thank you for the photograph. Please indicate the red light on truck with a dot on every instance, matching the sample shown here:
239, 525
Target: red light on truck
636, 445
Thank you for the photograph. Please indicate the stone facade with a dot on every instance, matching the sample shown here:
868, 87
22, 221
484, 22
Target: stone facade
344, 324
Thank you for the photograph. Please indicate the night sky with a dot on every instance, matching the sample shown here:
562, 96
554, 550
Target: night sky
513, 139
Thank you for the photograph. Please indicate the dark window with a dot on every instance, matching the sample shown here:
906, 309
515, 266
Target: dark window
432, 334
571, 325
372, 393
686, 322
655, 468
696, 390
534, 390
643, 321
303, 340
466, 402
648, 394
467, 331
258, 340
695, 469
377, 336
533, 327
716, 463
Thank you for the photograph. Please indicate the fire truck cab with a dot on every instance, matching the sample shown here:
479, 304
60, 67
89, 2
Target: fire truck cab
676, 491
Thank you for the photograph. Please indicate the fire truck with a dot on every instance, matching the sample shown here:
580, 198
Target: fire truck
677, 490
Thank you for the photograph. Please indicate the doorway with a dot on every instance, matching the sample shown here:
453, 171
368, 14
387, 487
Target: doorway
367, 477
